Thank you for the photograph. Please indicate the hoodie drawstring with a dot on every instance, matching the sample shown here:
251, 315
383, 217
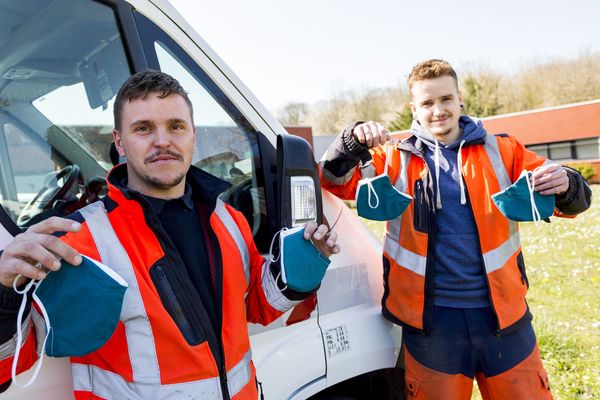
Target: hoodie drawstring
436, 161
463, 197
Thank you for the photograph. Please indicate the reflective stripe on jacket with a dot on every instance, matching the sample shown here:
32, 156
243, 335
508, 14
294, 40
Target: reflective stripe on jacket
408, 260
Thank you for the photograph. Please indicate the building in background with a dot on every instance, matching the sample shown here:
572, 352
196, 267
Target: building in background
567, 134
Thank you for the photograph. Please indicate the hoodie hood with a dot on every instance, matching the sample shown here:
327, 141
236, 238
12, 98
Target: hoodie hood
472, 132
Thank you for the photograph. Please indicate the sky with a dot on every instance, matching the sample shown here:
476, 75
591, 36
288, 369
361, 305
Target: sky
304, 51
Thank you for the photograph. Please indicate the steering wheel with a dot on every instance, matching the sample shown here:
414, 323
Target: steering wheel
50, 192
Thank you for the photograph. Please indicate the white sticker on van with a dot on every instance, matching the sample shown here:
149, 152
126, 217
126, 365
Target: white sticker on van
337, 340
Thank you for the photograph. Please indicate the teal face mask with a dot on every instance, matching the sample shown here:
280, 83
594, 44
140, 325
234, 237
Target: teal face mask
302, 265
377, 199
519, 201
81, 308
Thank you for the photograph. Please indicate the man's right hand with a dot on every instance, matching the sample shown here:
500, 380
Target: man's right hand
36, 250
371, 134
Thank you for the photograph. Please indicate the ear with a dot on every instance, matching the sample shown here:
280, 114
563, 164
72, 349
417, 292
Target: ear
413, 108
460, 99
118, 142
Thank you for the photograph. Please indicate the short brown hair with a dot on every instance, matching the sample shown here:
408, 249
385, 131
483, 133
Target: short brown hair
430, 69
140, 85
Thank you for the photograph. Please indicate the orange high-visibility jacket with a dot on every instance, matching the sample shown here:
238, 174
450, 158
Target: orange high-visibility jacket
408, 267
148, 357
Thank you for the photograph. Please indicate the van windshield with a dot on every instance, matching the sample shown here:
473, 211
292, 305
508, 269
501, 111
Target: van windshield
59, 74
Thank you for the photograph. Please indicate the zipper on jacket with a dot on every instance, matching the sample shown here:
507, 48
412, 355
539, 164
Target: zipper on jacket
174, 308
212, 245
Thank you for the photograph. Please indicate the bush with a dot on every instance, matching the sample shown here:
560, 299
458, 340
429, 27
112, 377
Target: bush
586, 170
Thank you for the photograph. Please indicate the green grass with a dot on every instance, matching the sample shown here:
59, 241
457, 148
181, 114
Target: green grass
563, 266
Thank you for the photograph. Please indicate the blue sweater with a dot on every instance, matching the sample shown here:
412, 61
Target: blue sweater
459, 273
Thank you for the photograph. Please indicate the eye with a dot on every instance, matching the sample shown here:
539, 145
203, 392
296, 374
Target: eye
141, 129
427, 103
177, 127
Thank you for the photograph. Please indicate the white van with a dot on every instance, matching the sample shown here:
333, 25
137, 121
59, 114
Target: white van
61, 64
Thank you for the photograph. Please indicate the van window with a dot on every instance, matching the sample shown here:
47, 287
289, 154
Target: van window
226, 142
59, 74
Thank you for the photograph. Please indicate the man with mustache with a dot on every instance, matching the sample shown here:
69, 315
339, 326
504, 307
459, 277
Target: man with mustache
454, 273
197, 277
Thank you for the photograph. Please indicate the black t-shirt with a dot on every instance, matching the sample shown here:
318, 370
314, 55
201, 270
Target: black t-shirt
180, 218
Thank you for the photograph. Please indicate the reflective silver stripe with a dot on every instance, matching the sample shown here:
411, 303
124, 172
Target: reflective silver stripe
274, 296
109, 385
493, 152
495, 259
404, 257
236, 234
338, 180
39, 327
368, 171
140, 340
240, 374
504, 181
402, 180
393, 229
394, 226
8, 348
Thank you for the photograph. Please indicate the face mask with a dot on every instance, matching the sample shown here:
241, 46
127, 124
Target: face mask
81, 308
302, 265
519, 201
377, 199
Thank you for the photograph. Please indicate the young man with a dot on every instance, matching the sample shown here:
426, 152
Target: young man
454, 273
195, 276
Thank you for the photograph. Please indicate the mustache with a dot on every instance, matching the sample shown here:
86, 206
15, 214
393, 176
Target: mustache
164, 152
443, 116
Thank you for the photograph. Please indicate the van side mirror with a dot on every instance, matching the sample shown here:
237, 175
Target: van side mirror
299, 190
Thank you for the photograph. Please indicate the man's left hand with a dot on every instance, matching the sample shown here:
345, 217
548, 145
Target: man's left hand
323, 239
551, 179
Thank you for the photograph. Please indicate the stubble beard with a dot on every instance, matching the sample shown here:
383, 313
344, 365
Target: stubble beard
163, 184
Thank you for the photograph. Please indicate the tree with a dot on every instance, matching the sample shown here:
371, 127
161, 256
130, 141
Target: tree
293, 114
403, 120
481, 95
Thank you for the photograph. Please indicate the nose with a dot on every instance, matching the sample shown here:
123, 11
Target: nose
162, 137
437, 109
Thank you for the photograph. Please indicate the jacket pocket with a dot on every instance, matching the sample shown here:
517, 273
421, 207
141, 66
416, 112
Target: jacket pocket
168, 296
421, 209
521, 265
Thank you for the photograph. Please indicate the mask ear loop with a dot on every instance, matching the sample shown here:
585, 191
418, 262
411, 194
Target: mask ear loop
275, 259
370, 187
20, 333
535, 214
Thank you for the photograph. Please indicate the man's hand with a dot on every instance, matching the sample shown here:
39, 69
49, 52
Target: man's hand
323, 239
550, 179
371, 134
36, 251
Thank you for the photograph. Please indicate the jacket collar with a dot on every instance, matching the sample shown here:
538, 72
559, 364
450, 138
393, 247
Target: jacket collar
205, 187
